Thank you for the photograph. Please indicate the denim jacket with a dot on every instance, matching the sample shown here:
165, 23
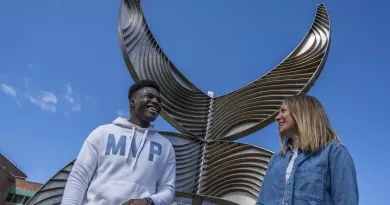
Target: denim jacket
325, 177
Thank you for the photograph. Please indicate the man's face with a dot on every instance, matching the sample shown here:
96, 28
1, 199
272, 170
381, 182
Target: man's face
146, 103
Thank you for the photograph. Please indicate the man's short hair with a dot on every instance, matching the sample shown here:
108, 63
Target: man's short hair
142, 84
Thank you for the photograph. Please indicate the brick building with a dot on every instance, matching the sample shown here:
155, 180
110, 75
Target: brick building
14, 189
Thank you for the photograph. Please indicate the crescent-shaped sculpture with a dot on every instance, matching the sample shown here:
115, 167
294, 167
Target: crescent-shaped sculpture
209, 166
233, 115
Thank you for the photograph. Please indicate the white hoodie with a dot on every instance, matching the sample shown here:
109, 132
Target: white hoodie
119, 162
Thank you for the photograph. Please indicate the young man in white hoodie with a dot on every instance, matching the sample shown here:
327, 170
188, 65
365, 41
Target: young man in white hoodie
126, 162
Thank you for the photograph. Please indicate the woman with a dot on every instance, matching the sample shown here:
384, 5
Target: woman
313, 167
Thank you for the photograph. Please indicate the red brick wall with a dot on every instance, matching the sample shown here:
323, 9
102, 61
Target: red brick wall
4, 162
26, 185
12, 177
6, 181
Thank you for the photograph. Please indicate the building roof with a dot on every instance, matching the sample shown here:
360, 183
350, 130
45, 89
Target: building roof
10, 167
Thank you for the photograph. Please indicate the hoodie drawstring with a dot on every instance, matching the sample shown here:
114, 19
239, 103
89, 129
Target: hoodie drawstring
128, 145
141, 146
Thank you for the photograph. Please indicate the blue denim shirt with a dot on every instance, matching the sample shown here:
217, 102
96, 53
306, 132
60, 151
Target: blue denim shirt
325, 177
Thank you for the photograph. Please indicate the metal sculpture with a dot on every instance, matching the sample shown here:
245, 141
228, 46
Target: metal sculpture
210, 166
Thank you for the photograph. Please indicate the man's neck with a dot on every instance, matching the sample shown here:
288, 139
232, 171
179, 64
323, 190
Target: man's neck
138, 122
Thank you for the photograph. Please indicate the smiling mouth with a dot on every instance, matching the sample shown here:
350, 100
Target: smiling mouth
152, 108
281, 123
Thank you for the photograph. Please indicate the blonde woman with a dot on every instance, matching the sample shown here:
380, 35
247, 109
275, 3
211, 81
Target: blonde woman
313, 166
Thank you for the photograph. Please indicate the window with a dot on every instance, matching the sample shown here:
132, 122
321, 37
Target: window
9, 198
26, 198
16, 198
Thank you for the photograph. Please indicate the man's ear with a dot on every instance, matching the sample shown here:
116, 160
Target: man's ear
132, 102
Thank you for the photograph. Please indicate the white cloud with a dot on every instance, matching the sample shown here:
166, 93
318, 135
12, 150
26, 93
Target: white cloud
76, 108
69, 90
69, 102
69, 99
30, 66
48, 97
73, 100
68, 96
8, 90
47, 101
120, 113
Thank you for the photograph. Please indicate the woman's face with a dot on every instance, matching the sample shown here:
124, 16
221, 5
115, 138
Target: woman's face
286, 124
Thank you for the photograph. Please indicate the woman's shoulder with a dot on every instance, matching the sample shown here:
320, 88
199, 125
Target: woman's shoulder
335, 149
335, 145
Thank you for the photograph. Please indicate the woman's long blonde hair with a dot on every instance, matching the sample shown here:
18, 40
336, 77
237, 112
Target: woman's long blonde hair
312, 122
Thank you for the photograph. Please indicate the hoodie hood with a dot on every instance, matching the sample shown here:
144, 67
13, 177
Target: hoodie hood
122, 122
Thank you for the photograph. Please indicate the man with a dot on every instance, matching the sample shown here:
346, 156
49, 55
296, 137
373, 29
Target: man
126, 162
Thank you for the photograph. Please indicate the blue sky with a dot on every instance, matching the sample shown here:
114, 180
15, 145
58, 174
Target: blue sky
62, 72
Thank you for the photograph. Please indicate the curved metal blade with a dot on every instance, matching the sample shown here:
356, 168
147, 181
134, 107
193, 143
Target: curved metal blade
185, 107
255, 106
233, 115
